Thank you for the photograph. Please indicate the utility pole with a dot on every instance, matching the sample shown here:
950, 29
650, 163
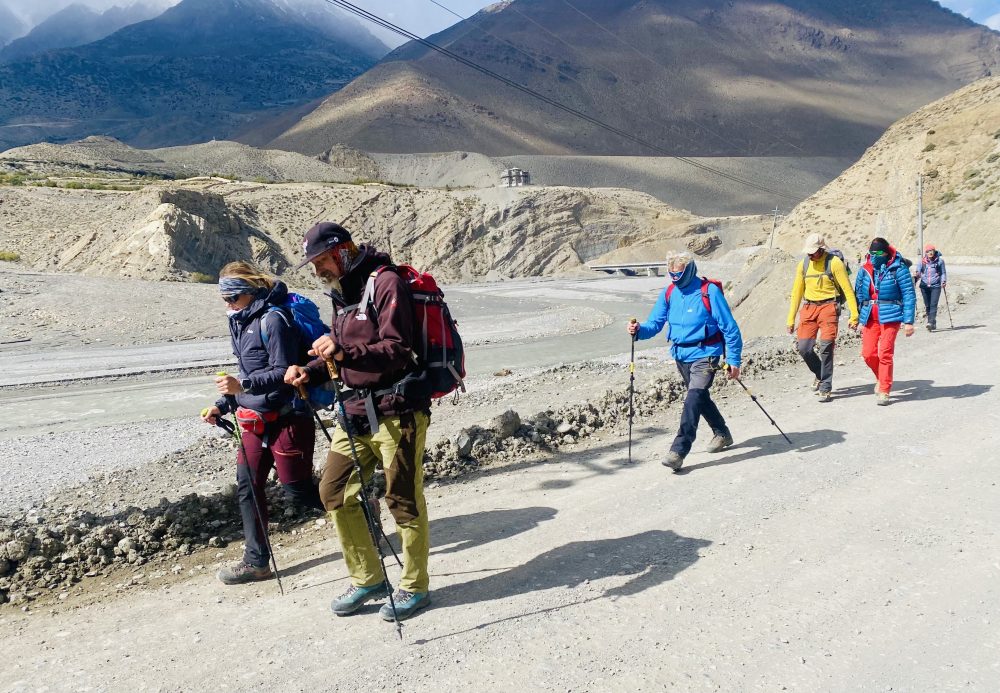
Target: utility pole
774, 225
920, 215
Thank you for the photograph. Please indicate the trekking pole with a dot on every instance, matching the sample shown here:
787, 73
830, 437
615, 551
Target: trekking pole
374, 527
944, 290
304, 396
755, 401
238, 434
631, 392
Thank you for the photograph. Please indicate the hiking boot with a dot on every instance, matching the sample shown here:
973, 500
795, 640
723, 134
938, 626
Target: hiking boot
816, 382
407, 604
720, 442
355, 597
242, 572
882, 399
674, 460
823, 396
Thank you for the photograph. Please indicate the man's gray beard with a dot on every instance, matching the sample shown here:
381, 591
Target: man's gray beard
331, 284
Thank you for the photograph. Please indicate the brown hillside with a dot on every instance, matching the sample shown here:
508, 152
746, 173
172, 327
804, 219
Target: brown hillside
954, 143
697, 77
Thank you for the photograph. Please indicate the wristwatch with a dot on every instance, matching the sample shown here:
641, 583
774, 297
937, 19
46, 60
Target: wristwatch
245, 384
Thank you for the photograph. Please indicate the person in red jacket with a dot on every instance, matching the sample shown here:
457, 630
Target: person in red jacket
372, 345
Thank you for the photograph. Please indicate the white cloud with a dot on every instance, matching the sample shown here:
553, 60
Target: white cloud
993, 22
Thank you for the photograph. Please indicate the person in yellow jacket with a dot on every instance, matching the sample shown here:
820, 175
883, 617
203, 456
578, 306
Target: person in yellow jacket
819, 278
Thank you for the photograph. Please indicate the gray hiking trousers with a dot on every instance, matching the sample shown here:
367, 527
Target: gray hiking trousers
698, 376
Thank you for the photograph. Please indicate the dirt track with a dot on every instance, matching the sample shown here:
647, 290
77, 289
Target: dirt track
863, 558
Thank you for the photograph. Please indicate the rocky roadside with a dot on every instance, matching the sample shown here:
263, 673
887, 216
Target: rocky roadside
55, 549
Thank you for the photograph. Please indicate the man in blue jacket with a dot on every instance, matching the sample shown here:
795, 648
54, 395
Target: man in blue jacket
703, 332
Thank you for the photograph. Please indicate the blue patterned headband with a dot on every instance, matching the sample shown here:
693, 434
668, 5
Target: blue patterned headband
230, 286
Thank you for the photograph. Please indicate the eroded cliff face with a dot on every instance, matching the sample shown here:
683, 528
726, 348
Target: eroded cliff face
172, 231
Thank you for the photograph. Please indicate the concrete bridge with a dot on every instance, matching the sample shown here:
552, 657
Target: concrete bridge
630, 269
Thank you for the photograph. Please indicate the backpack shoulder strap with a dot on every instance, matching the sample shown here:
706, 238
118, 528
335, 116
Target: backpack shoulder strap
704, 294
368, 298
264, 337
826, 267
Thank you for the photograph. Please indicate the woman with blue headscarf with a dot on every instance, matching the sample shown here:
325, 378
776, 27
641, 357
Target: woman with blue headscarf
277, 431
702, 332
888, 302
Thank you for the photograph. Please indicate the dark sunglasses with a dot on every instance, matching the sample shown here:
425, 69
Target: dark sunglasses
232, 298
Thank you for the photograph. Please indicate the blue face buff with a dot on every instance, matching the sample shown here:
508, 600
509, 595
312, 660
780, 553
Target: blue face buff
879, 258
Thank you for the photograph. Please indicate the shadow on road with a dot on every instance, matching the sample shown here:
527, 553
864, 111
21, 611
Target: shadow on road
956, 328
764, 446
924, 390
917, 390
456, 533
591, 459
649, 559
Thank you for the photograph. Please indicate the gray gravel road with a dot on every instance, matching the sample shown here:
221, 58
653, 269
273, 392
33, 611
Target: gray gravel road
862, 558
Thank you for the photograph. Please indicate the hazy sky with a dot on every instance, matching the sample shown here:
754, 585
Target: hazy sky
423, 17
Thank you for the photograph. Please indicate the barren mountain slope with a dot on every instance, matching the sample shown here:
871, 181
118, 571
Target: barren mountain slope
169, 231
696, 77
954, 144
203, 69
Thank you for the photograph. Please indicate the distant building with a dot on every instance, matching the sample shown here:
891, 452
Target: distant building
514, 177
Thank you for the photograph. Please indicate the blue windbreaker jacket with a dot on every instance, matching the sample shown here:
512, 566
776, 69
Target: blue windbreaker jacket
689, 322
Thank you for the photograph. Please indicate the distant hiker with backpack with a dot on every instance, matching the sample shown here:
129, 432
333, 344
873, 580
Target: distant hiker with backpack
820, 288
933, 278
276, 429
887, 302
703, 333
373, 346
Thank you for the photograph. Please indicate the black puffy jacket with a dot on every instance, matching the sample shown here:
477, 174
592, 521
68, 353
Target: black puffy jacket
264, 365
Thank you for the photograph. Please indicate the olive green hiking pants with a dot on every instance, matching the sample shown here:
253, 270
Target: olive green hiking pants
398, 446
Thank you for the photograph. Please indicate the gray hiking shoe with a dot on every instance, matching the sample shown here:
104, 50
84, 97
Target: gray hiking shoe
720, 442
407, 604
674, 460
242, 572
356, 597
882, 399
815, 383
823, 396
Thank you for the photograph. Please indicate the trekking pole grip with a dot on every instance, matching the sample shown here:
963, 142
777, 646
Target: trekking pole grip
331, 368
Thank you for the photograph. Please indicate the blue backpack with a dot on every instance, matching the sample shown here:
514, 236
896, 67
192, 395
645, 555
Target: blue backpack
305, 316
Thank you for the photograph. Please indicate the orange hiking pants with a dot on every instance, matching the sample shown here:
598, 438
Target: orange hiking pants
878, 345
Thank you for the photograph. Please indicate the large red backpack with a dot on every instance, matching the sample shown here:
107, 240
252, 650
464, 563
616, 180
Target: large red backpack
439, 347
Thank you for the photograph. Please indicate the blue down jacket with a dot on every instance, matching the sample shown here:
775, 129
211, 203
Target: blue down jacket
893, 285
